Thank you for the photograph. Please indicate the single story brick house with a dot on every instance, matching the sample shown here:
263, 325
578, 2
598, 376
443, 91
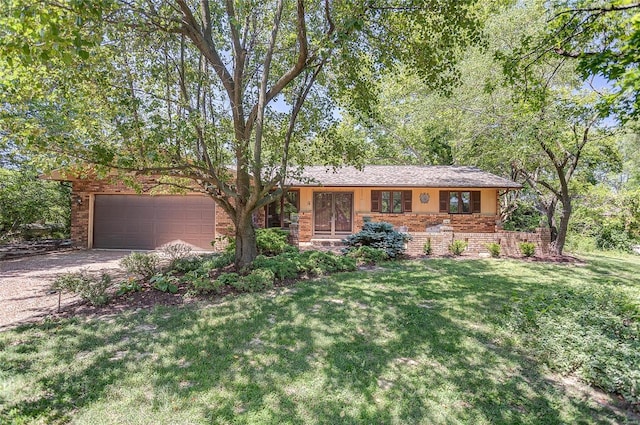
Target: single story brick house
322, 204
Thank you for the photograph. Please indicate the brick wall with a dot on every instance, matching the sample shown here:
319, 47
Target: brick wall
81, 201
477, 242
470, 223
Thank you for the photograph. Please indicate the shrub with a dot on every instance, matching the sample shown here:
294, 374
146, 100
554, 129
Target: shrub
589, 331
228, 279
282, 266
457, 247
175, 252
320, 263
257, 280
140, 264
614, 236
426, 248
528, 249
368, 255
165, 283
272, 241
494, 249
201, 282
129, 285
379, 235
203, 262
89, 288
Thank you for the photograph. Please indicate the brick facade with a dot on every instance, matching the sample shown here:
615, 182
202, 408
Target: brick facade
477, 242
82, 203
441, 228
414, 223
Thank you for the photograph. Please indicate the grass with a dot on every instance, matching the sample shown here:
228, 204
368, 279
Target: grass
418, 342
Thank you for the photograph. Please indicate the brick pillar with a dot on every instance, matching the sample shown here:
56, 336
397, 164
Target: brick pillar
294, 235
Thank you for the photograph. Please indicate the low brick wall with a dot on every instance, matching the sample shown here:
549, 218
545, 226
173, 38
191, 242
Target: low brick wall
477, 242
414, 223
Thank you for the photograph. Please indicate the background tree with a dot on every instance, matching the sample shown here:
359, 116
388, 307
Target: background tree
188, 89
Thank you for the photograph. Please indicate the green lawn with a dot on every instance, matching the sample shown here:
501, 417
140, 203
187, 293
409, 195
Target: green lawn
415, 342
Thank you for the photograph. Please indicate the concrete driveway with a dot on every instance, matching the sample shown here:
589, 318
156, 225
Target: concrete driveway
24, 282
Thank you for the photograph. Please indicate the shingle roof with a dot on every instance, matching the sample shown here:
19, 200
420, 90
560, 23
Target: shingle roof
403, 176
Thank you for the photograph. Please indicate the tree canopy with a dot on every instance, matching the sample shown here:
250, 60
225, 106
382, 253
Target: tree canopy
227, 94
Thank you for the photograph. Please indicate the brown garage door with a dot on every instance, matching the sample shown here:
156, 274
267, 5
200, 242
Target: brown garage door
147, 222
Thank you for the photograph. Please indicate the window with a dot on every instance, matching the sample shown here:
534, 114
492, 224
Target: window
391, 201
459, 202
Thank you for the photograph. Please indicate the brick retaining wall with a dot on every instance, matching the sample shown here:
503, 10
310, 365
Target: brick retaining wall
477, 242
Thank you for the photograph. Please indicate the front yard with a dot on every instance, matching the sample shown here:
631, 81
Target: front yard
436, 341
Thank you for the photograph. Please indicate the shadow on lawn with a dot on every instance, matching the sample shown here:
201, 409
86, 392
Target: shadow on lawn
409, 345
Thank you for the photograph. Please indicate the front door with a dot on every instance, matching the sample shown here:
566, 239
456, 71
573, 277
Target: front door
332, 213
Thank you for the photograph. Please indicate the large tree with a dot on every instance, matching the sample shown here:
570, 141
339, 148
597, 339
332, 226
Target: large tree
226, 94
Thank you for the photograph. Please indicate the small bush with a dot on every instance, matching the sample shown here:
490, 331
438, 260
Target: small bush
494, 249
140, 264
129, 285
270, 241
201, 282
527, 249
282, 266
426, 248
257, 280
457, 247
228, 279
165, 283
614, 237
175, 252
368, 255
203, 262
89, 288
320, 263
379, 235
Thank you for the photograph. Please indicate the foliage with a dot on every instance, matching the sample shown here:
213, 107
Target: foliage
256, 281
613, 236
205, 262
165, 282
229, 279
129, 285
141, 264
176, 251
457, 247
150, 88
528, 249
379, 235
201, 282
26, 199
88, 287
368, 255
494, 249
426, 248
289, 265
270, 241
588, 331
524, 217
283, 266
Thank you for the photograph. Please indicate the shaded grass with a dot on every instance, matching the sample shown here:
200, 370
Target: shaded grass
413, 343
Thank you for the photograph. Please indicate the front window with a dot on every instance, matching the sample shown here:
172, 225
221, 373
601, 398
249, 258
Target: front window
460, 202
391, 202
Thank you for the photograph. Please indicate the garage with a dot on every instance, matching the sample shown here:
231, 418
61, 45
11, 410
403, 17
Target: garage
148, 222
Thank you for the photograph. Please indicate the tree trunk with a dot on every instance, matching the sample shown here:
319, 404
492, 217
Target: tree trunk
564, 226
246, 248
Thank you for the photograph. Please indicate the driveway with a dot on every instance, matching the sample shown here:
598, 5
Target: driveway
24, 282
